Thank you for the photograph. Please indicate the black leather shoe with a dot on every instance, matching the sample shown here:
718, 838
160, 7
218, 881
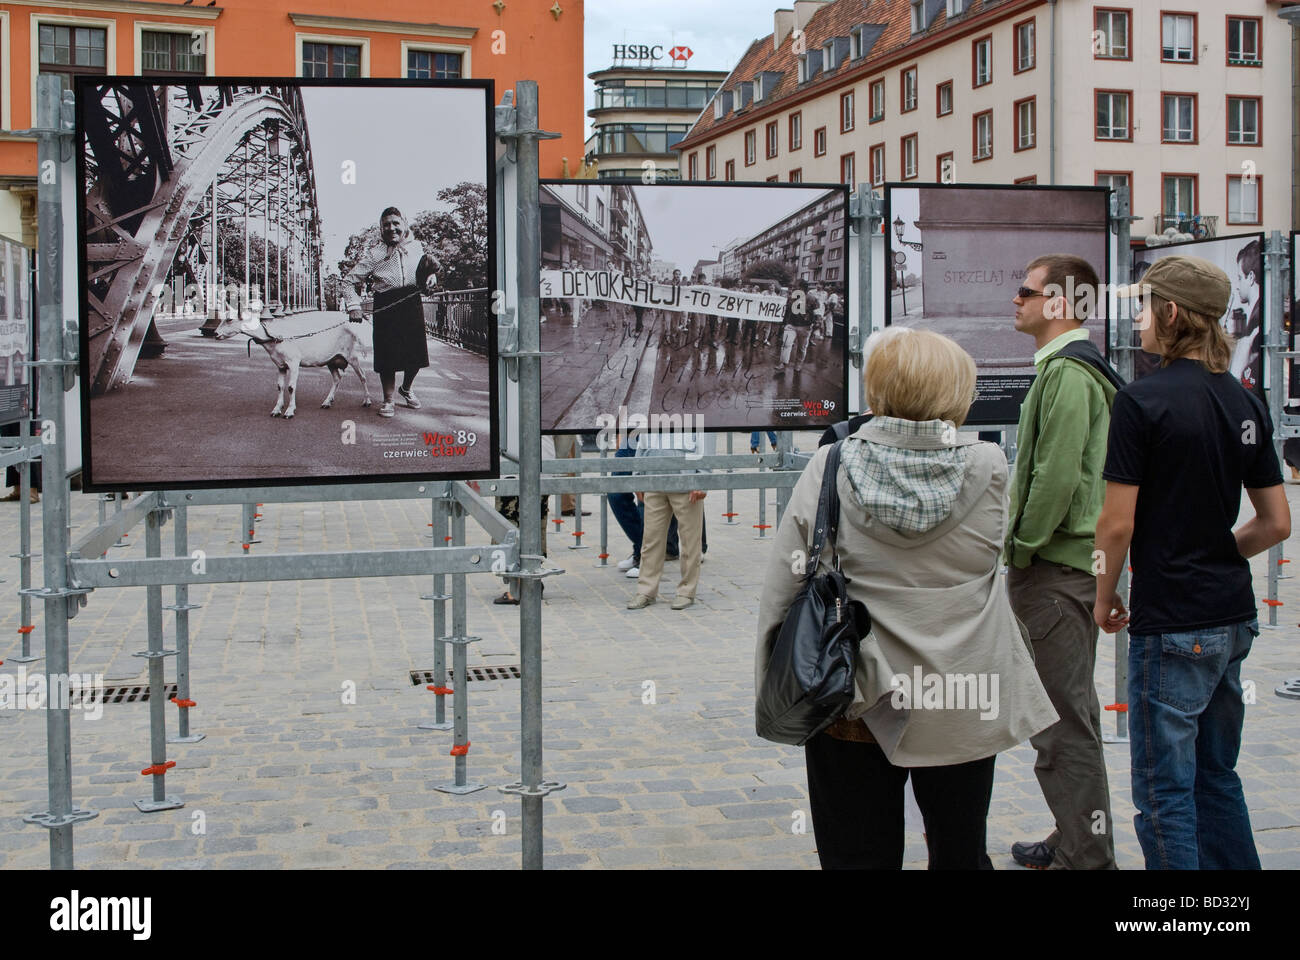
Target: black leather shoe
1036, 855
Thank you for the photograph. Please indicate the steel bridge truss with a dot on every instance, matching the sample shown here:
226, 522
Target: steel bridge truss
175, 175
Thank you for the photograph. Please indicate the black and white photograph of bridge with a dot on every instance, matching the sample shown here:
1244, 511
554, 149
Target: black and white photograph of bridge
263, 261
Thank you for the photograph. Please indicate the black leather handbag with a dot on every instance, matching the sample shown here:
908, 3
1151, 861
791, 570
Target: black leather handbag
809, 680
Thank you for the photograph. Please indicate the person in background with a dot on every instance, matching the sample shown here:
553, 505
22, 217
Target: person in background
922, 511
1055, 499
797, 328
756, 438
1184, 442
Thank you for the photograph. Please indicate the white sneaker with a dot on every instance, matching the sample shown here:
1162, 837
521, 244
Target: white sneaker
634, 573
627, 564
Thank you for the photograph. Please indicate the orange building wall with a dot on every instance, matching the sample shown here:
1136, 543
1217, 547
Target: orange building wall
256, 38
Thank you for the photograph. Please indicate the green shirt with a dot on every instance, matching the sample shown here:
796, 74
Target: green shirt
1057, 490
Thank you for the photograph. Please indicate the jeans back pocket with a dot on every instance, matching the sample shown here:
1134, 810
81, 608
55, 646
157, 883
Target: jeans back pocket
1191, 666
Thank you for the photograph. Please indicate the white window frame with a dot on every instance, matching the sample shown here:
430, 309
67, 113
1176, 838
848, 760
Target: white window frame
1164, 125
911, 164
984, 44
918, 16
423, 47
828, 56
1128, 115
1109, 33
984, 144
956, 8
1241, 185
1254, 24
1191, 48
855, 43
877, 114
1254, 102
1021, 142
333, 38
946, 85
751, 147
209, 42
1021, 64
803, 68
910, 79
848, 111
876, 171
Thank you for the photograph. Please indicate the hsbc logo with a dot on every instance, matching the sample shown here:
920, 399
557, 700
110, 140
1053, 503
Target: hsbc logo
639, 51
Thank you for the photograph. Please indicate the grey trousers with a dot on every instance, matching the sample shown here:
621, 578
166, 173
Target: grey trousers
1055, 604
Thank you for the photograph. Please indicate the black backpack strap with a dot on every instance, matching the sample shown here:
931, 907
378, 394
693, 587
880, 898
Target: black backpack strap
828, 509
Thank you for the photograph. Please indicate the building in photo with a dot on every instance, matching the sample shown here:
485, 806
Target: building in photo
644, 104
1188, 106
416, 39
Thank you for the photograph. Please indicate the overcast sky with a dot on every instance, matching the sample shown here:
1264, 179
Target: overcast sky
401, 160
718, 31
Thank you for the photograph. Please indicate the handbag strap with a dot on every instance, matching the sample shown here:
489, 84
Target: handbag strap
828, 509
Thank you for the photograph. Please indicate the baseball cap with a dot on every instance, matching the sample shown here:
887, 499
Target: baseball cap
1190, 282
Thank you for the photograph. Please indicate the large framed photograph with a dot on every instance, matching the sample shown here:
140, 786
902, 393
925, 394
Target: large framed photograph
1241, 257
16, 331
285, 281
724, 304
956, 257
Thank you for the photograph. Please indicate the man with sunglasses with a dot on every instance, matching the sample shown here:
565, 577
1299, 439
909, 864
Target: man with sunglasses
1056, 497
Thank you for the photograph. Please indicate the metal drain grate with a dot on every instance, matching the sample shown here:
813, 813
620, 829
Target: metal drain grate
504, 671
135, 693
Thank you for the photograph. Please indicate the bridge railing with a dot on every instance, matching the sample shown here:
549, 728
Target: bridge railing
462, 318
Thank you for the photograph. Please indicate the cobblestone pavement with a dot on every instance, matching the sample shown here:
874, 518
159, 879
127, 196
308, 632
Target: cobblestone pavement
291, 776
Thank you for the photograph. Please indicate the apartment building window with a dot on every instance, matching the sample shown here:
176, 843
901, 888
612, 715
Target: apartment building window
877, 101
943, 99
432, 65
774, 178
1243, 200
846, 169
1243, 41
945, 168
339, 60
846, 112
640, 137
1179, 112
819, 142
1026, 123
1179, 191
584, 196
877, 160
983, 136
796, 130
982, 61
909, 90
1178, 37
166, 52
918, 16
910, 157
1028, 181
796, 175
773, 134
1115, 180
1113, 115
1243, 121
956, 8
1026, 52
751, 147
729, 170
693, 166
710, 162
69, 50
1110, 36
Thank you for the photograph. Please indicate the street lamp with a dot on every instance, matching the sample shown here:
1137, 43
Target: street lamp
900, 259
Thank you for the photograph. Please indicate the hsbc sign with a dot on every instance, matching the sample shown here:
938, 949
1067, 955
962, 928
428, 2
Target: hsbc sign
638, 51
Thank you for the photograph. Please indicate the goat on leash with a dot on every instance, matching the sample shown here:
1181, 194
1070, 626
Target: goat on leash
335, 346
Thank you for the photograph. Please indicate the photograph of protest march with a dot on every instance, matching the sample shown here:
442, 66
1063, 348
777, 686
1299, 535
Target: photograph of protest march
307, 294
1241, 257
956, 257
726, 303
15, 331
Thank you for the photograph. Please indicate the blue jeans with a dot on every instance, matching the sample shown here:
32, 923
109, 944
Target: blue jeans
754, 438
1185, 717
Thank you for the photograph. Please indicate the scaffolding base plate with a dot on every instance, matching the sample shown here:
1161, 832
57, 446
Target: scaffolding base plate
155, 806
192, 738
445, 725
460, 788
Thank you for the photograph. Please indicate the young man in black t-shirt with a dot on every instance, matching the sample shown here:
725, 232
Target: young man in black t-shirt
1183, 443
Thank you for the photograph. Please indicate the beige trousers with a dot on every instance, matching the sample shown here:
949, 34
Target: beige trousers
566, 448
660, 507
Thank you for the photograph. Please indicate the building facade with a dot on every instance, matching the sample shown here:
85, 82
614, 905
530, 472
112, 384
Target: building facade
1187, 104
594, 226
334, 38
641, 112
813, 238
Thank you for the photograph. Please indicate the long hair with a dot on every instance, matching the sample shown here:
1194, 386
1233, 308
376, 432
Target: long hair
1187, 333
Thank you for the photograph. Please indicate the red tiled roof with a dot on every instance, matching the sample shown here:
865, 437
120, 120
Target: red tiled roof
834, 19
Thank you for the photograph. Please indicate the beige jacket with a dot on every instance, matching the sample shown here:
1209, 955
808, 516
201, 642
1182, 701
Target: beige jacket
947, 675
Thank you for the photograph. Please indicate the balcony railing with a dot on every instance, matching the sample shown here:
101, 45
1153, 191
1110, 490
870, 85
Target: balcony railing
1200, 225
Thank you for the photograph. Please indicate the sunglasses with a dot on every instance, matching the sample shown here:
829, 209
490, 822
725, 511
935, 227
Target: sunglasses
1024, 293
